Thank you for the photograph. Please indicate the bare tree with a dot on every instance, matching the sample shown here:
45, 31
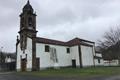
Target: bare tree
2, 57
110, 44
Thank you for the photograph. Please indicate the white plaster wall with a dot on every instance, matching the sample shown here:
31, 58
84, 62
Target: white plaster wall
92, 45
88, 43
98, 54
20, 53
87, 55
8, 59
75, 54
111, 63
28, 51
101, 60
44, 56
64, 59
99, 64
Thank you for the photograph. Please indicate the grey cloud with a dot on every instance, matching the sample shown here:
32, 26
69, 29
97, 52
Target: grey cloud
87, 19
60, 17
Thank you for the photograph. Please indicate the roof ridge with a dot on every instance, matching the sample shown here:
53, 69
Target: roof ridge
75, 41
51, 39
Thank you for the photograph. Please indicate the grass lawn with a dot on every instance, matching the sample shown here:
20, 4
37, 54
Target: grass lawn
76, 72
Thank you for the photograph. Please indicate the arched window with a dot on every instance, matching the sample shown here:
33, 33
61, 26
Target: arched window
30, 21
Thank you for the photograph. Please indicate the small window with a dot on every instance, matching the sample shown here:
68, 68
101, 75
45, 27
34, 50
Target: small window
47, 48
26, 55
68, 50
98, 60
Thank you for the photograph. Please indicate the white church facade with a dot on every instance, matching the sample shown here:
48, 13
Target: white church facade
36, 53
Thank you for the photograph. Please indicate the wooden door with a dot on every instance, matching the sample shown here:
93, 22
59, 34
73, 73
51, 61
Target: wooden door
74, 63
23, 64
38, 63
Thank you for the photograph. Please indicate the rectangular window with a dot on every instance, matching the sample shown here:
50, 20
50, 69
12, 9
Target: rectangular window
68, 50
47, 48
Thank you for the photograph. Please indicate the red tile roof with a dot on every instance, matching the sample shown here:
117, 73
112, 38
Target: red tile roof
75, 41
50, 41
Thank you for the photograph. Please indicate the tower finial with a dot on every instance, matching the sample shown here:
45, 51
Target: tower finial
28, 2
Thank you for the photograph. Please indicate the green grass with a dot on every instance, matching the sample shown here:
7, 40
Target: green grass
70, 72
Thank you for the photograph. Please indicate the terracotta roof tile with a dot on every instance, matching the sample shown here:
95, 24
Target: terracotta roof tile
50, 41
75, 41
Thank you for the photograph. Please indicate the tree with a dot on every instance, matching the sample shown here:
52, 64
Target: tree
110, 44
2, 57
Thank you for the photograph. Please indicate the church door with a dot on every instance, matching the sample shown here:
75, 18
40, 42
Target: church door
38, 63
23, 64
74, 63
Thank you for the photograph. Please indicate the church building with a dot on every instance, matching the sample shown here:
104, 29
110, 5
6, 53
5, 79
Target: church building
37, 53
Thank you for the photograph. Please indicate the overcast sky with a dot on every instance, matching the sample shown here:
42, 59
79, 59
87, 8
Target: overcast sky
60, 19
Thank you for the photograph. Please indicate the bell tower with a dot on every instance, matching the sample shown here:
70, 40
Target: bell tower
27, 24
28, 30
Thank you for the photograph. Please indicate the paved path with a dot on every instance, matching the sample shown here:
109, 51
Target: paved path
113, 78
13, 76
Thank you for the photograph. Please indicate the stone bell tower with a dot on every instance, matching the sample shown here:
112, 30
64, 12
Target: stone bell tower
27, 24
28, 29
